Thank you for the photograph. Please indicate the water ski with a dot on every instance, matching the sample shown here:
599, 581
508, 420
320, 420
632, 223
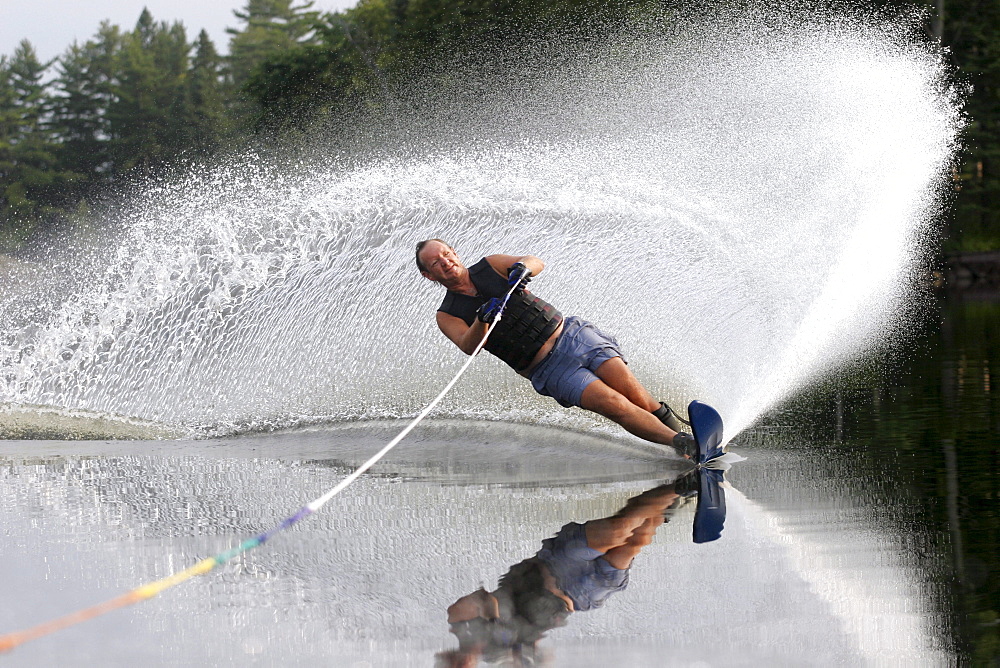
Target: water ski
706, 423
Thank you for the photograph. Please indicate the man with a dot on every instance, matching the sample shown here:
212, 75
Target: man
568, 358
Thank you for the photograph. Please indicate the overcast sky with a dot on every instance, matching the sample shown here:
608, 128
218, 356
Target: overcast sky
52, 25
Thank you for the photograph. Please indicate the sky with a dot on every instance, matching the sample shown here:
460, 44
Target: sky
52, 25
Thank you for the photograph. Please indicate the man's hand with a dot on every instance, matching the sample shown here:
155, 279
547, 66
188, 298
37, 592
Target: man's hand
518, 275
488, 311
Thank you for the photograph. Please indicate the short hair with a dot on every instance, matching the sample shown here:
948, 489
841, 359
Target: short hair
420, 247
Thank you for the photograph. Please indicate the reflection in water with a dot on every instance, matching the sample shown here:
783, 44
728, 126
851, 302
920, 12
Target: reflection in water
576, 570
814, 562
710, 513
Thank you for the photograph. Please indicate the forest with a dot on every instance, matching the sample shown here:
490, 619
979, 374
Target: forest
131, 103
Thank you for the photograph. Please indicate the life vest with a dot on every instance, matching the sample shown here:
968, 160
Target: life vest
527, 322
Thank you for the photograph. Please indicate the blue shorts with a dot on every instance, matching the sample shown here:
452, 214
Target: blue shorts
569, 368
581, 572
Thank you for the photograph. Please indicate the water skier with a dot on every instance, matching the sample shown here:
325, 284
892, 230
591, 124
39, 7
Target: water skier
566, 358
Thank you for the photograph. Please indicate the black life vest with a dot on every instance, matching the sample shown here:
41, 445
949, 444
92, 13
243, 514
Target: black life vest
527, 321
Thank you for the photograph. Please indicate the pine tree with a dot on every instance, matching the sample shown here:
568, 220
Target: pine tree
972, 30
208, 124
271, 28
9, 125
85, 89
33, 185
147, 116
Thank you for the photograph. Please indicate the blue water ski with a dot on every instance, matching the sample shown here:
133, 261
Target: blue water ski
706, 423
710, 513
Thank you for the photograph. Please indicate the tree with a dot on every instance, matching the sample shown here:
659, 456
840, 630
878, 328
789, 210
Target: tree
359, 57
10, 122
147, 117
971, 29
272, 27
33, 184
342, 72
208, 125
84, 90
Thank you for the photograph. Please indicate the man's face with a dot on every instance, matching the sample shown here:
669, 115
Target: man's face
441, 262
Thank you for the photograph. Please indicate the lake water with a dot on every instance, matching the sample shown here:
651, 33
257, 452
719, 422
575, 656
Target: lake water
860, 529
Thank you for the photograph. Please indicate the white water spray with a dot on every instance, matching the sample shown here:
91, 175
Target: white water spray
743, 207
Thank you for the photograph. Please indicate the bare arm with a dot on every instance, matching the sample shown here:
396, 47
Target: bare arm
462, 335
479, 603
501, 263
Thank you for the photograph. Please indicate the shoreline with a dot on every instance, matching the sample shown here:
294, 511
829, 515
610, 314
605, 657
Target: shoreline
973, 272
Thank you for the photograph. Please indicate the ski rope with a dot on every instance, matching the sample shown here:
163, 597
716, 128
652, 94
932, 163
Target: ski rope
147, 591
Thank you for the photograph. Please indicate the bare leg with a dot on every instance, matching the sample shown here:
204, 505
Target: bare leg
623, 535
621, 557
616, 374
604, 400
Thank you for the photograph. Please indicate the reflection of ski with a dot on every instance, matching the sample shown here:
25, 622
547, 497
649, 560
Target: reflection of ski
710, 513
706, 423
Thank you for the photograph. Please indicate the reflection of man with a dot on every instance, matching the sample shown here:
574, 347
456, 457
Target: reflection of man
568, 359
576, 570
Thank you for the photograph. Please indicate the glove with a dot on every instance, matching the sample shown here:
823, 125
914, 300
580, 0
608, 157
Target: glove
518, 275
488, 311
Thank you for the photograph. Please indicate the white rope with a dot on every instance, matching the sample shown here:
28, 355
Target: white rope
12, 640
316, 504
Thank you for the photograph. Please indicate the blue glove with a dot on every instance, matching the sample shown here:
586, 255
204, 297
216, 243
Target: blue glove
488, 311
518, 275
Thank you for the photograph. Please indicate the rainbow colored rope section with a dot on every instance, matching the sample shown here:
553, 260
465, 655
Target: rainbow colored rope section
147, 591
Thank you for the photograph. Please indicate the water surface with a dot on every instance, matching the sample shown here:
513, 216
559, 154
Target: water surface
816, 561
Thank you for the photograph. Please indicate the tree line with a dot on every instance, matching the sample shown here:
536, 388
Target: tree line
126, 104
123, 105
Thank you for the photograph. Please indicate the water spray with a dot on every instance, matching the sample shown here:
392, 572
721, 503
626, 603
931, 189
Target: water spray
759, 190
